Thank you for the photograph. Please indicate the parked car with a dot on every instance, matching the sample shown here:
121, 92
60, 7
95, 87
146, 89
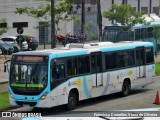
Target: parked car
15, 41
6, 48
0, 51
32, 42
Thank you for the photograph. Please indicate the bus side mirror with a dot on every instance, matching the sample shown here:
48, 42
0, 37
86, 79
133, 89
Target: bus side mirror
5, 67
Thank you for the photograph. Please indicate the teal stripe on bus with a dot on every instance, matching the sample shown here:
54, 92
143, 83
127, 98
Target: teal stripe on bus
85, 87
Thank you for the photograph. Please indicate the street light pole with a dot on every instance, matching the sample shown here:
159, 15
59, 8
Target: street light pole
53, 35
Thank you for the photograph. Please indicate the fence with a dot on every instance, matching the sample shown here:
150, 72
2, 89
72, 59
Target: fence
4, 75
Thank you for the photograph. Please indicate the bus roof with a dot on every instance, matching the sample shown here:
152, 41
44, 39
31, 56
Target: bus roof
80, 49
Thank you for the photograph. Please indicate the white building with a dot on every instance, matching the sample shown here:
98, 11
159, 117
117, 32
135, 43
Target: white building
8, 7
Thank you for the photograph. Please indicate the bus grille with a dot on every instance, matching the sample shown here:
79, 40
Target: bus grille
26, 103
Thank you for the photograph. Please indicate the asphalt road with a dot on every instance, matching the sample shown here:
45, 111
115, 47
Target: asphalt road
138, 99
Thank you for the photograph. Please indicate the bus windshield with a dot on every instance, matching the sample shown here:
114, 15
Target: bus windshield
31, 77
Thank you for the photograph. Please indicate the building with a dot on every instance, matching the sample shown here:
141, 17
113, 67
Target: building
8, 7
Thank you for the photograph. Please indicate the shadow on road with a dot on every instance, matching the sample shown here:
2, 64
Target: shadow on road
59, 110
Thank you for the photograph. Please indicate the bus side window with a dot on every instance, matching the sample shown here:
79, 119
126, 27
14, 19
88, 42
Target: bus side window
83, 64
111, 60
149, 55
58, 72
72, 66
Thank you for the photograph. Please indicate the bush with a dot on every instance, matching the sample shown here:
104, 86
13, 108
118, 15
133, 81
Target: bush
93, 36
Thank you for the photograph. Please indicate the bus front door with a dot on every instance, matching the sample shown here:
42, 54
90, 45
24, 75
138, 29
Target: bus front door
96, 68
140, 62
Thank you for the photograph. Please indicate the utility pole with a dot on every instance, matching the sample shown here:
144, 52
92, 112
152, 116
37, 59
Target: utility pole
138, 5
150, 6
99, 18
53, 35
159, 7
112, 2
83, 20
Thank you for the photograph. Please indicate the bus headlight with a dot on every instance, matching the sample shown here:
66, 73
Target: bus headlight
44, 96
10, 95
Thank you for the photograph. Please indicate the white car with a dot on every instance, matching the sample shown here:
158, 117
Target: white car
14, 40
0, 51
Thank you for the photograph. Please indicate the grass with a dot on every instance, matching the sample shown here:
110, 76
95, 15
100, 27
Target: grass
157, 69
4, 100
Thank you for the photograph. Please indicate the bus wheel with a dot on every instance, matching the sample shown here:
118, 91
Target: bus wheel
125, 88
72, 101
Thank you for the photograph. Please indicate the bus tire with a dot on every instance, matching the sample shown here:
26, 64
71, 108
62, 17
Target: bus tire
125, 88
72, 101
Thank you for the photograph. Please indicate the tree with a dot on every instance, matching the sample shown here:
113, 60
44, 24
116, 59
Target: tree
43, 12
156, 35
121, 13
99, 17
3, 28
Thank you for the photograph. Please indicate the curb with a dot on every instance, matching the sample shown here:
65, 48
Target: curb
10, 108
4, 81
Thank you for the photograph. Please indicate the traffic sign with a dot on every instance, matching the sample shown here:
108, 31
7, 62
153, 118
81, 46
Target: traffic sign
19, 30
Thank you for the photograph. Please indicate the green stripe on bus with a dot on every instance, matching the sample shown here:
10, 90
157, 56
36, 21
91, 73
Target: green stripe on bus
18, 85
28, 85
35, 85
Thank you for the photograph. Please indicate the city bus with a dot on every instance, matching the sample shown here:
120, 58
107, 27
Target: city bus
139, 32
64, 76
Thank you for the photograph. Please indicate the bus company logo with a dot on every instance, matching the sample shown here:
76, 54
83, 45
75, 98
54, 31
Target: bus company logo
6, 114
130, 72
79, 82
151, 69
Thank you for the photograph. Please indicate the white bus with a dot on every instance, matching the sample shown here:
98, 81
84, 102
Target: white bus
48, 78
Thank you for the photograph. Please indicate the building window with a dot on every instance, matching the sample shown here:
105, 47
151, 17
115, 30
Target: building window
43, 33
86, 1
20, 24
144, 9
156, 10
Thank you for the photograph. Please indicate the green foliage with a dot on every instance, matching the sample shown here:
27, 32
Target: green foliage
93, 36
88, 25
43, 12
157, 68
122, 14
4, 100
156, 35
3, 30
156, 32
78, 20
